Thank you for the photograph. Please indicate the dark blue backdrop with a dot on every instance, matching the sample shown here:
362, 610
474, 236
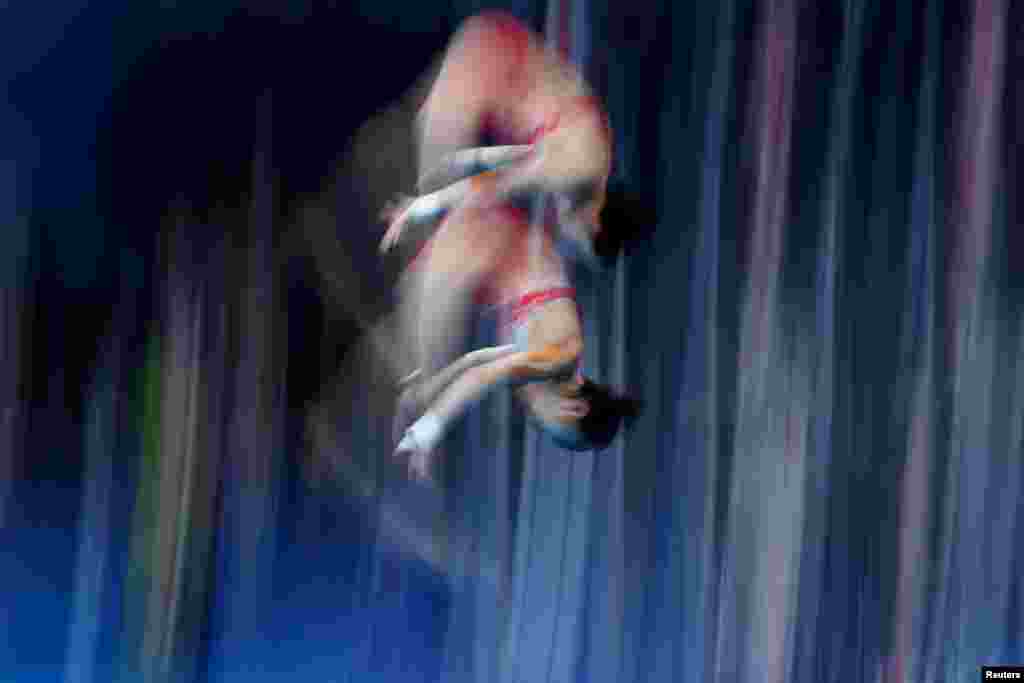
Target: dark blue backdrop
823, 321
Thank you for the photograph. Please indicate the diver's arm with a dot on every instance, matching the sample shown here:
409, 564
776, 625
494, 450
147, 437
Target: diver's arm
468, 162
427, 389
482, 190
473, 384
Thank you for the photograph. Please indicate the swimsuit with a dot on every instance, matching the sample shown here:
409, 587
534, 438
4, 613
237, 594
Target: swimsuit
514, 320
514, 316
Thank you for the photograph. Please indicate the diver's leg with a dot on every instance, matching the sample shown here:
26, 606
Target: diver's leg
438, 296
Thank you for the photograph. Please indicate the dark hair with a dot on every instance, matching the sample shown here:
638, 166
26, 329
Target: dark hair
627, 217
605, 416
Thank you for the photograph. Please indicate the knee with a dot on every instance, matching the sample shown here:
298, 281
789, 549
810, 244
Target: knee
554, 357
496, 46
497, 31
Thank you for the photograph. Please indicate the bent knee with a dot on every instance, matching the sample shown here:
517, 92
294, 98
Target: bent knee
554, 357
497, 32
494, 48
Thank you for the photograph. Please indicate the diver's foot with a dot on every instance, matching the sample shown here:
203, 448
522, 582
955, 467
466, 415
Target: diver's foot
408, 408
421, 467
419, 443
419, 458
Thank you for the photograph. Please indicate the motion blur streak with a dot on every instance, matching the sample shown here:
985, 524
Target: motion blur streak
94, 531
907, 661
767, 496
14, 268
980, 473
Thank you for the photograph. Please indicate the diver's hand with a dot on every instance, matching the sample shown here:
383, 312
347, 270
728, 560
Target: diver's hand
420, 466
411, 379
397, 213
418, 445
